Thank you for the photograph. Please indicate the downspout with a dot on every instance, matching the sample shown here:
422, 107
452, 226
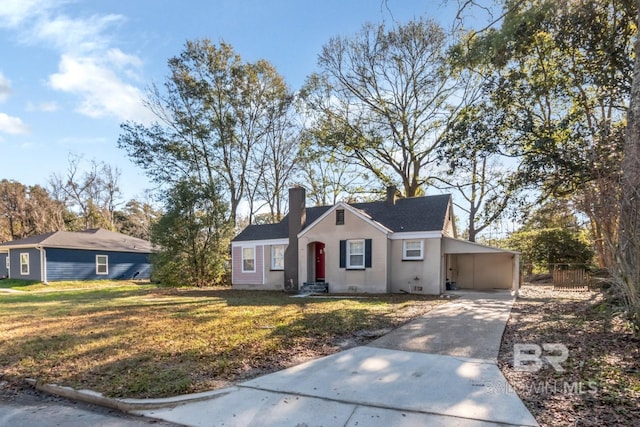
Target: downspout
43, 264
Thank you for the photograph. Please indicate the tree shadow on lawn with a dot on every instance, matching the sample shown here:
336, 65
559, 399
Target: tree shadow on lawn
156, 348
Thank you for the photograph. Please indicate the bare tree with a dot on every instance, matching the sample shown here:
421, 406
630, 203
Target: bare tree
280, 155
486, 189
384, 98
328, 177
93, 193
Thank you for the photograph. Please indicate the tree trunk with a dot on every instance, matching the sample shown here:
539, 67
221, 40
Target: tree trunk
627, 268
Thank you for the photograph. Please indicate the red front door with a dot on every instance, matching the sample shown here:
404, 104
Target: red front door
319, 262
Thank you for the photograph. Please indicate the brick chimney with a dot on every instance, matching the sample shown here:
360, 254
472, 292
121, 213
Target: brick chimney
297, 216
391, 195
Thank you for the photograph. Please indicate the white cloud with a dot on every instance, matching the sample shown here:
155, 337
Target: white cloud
76, 35
103, 92
5, 88
14, 13
47, 106
90, 66
12, 125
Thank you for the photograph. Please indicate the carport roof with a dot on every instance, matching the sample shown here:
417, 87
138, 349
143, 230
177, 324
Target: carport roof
414, 214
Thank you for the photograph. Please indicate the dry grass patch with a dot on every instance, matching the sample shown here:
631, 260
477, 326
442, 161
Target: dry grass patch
601, 382
143, 341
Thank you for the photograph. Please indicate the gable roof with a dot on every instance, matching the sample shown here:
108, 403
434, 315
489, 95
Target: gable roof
414, 214
92, 239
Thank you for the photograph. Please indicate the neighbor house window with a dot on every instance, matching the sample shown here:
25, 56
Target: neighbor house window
412, 249
340, 217
355, 253
102, 264
24, 263
277, 257
248, 260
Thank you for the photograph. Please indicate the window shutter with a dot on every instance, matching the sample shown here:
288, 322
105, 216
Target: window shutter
343, 254
367, 253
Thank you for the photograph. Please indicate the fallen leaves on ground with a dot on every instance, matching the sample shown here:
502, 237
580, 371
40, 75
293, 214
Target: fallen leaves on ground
600, 384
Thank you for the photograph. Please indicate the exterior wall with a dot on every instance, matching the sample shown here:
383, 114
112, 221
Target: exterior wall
417, 276
474, 266
449, 228
369, 280
483, 271
273, 279
75, 264
35, 266
4, 272
251, 280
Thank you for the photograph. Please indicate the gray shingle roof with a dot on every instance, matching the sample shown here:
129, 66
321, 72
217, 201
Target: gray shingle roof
279, 230
414, 214
93, 239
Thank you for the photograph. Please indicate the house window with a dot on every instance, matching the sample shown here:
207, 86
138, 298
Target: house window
24, 263
340, 217
102, 264
277, 257
412, 249
355, 253
249, 260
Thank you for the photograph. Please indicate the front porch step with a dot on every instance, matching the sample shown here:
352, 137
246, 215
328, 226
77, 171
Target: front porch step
315, 287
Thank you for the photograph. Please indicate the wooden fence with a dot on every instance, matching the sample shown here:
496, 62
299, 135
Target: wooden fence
572, 279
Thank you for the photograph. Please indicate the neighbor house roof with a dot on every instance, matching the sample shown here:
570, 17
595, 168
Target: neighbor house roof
92, 239
413, 214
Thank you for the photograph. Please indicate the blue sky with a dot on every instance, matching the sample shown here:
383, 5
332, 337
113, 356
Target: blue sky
72, 71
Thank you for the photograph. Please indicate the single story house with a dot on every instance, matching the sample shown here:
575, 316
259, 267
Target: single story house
395, 245
85, 255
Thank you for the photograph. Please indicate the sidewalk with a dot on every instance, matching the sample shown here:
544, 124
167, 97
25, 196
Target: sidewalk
439, 370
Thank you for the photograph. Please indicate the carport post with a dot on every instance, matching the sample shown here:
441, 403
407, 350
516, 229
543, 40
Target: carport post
516, 273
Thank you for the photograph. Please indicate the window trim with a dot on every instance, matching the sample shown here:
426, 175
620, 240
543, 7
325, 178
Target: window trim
105, 264
22, 264
363, 254
405, 257
242, 258
273, 266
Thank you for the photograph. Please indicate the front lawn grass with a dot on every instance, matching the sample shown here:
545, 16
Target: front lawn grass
131, 340
37, 286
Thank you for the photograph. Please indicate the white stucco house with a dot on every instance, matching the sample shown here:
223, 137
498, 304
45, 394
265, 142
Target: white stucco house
405, 245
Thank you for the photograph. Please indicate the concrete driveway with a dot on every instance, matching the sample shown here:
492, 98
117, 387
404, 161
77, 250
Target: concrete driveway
439, 370
470, 326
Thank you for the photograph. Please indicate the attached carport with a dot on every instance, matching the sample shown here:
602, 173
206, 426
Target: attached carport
473, 266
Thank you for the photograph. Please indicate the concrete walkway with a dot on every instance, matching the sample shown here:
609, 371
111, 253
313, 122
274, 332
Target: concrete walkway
439, 370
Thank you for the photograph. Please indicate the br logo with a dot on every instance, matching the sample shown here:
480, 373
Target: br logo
530, 357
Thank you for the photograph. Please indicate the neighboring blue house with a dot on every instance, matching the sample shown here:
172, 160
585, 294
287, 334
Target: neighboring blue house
85, 255
4, 264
